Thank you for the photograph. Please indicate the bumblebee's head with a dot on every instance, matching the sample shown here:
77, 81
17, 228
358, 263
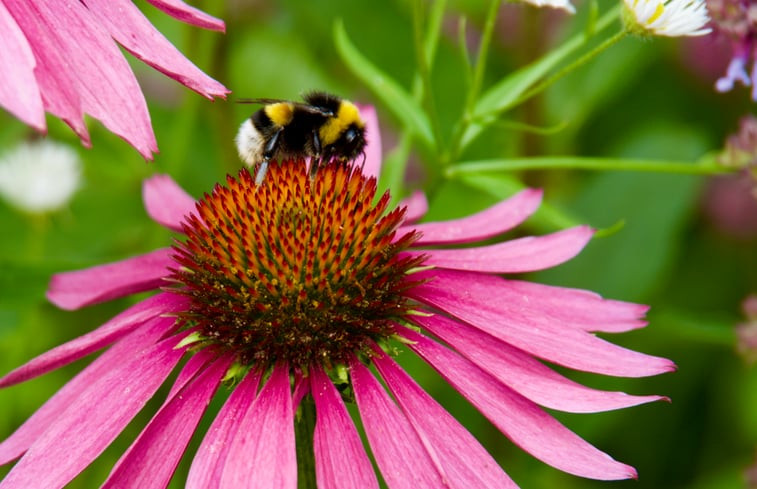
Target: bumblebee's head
351, 142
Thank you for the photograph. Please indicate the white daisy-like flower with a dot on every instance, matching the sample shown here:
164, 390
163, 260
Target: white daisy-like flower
561, 4
40, 176
671, 18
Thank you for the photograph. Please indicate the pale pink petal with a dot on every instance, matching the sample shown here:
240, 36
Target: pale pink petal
372, 165
166, 203
403, 459
185, 13
519, 419
485, 224
262, 454
72, 52
340, 459
19, 93
152, 459
79, 288
49, 413
515, 256
106, 334
416, 205
472, 298
208, 463
572, 307
94, 418
466, 463
137, 35
301, 389
523, 373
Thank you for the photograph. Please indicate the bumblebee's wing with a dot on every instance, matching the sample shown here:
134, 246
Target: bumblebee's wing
311, 109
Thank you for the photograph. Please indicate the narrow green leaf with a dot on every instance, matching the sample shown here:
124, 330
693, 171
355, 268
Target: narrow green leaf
703, 167
396, 98
501, 96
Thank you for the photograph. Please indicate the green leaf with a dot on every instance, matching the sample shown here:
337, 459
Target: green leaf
396, 98
506, 92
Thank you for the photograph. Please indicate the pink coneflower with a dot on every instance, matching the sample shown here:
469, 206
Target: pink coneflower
59, 56
289, 292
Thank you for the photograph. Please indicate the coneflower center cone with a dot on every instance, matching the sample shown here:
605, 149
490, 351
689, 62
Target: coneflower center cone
299, 269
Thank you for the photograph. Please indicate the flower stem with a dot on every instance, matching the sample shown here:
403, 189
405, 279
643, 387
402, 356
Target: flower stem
303, 431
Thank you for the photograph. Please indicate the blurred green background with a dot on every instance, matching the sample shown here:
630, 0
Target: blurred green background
640, 99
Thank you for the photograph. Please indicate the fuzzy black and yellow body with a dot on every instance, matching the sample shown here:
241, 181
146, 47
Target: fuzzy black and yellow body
323, 127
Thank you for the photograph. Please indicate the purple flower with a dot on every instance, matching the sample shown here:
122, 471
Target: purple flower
59, 56
737, 20
290, 290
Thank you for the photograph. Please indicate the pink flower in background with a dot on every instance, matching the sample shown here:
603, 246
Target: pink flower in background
290, 291
59, 56
736, 20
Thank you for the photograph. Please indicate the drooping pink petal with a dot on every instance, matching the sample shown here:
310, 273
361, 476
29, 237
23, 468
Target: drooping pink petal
49, 413
65, 34
515, 256
166, 202
523, 373
373, 155
93, 419
400, 454
262, 454
485, 224
466, 463
208, 463
196, 362
137, 35
519, 419
417, 206
152, 459
340, 459
301, 389
19, 93
472, 298
106, 334
188, 14
79, 288
572, 307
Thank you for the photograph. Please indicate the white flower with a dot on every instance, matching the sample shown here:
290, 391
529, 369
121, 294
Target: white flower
667, 17
40, 176
562, 4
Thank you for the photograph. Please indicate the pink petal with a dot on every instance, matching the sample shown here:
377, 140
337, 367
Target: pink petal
208, 463
519, 419
19, 92
417, 206
485, 224
301, 389
106, 334
79, 288
196, 362
466, 463
340, 459
137, 35
152, 459
16, 444
515, 256
523, 373
573, 307
400, 454
65, 34
473, 299
93, 419
190, 15
372, 165
262, 454
166, 202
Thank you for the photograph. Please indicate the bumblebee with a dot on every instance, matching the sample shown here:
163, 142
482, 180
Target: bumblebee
323, 127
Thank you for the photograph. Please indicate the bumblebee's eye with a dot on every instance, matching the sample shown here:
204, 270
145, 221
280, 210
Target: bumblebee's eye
350, 134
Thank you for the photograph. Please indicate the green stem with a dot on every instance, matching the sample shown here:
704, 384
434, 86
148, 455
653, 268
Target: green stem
587, 163
483, 53
604, 45
424, 69
303, 431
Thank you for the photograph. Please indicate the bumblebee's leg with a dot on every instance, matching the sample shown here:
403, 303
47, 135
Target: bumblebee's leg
268, 151
315, 162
